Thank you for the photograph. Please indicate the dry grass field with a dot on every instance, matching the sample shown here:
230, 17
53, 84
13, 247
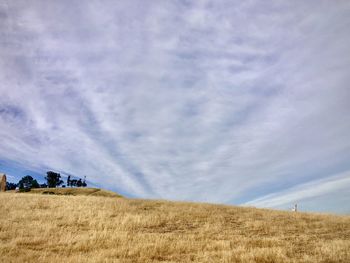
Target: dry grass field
75, 191
65, 228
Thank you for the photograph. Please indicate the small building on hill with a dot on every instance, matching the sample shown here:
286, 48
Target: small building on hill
2, 182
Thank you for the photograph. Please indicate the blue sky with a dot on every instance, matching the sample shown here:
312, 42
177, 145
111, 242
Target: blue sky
238, 102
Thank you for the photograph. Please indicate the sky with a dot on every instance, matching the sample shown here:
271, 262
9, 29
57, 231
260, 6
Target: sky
234, 102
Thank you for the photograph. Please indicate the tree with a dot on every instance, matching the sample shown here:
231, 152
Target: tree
10, 186
68, 180
73, 182
79, 183
28, 182
53, 179
84, 184
76, 182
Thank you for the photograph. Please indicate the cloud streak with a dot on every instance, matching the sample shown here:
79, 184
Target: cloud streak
317, 195
218, 102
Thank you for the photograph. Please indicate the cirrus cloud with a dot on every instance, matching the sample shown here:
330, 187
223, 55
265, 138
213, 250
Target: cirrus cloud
223, 101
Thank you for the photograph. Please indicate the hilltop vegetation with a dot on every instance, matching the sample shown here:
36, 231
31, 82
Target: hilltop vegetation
59, 228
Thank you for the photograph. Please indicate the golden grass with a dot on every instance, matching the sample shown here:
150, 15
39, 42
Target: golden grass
58, 228
75, 191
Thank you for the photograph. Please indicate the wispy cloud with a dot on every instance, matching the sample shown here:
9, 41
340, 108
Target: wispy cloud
329, 194
219, 102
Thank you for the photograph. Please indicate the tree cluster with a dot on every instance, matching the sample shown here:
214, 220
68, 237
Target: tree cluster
53, 180
75, 182
10, 186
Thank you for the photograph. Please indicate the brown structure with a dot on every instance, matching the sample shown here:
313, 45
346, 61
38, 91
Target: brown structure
2, 182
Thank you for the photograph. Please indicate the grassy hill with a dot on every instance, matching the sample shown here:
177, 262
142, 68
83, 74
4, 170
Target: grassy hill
72, 191
75, 191
87, 228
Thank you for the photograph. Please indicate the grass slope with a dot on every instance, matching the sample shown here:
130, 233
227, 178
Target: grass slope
75, 191
59, 228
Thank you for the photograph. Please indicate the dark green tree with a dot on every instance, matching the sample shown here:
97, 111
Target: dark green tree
28, 182
84, 184
35, 184
79, 183
10, 186
68, 181
53, 179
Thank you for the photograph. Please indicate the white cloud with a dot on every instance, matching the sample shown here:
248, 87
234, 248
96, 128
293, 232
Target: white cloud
317, 195
219, 102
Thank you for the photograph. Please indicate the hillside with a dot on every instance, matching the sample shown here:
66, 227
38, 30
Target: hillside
75, 191
71, 191
64, 228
